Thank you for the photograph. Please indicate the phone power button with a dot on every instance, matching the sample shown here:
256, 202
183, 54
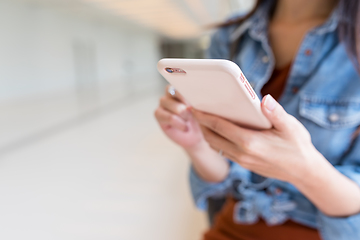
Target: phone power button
242, 77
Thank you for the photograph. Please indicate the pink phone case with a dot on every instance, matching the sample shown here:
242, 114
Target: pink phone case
217, 87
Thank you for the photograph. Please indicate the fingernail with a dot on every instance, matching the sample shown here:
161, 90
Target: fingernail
270, 103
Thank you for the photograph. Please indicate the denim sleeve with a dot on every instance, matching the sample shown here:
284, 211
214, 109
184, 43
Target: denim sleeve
345, 228
202, 190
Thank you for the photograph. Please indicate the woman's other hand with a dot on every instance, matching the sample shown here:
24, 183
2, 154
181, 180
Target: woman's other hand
179, 124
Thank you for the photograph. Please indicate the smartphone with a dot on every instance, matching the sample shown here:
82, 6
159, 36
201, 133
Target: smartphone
217, 87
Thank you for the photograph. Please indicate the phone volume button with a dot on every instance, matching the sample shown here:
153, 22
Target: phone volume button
248, 87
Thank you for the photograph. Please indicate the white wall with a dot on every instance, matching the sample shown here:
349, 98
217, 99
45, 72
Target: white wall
60, 60
46, 50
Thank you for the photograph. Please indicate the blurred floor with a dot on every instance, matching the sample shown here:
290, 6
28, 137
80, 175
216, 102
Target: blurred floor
111, 175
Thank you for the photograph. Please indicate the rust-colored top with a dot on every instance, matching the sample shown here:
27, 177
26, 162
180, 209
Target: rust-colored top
224, 226
226, 229
276, 85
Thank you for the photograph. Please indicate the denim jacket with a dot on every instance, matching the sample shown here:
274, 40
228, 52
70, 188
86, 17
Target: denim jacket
323, 93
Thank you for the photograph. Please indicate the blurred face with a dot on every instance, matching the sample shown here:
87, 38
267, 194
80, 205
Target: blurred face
322, 2
306, 8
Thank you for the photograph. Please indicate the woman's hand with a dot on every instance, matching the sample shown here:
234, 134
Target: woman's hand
284, 152
177, 121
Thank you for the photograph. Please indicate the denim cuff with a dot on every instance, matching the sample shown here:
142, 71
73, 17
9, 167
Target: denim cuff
202, 190
342, 228
339, 228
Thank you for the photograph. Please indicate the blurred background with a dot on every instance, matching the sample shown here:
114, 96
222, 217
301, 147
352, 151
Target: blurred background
81, 156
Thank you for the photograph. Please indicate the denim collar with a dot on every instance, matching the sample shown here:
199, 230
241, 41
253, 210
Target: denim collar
331, 24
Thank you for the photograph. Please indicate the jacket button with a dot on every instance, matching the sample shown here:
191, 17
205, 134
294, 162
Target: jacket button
308, 52
334, 117
278, 191
265, 59
295, 90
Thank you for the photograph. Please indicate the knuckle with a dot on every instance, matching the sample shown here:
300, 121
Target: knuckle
180, 108
281, 115
156, 113
294, 126
290, 122
159, 115
278, 117
300, 130
162, 100
249, 147
171, 118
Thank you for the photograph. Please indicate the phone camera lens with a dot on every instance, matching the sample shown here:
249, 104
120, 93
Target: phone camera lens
169, 70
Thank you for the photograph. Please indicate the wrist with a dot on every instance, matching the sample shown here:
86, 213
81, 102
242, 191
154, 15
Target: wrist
198, 148
207, 163
330, 191
314, 173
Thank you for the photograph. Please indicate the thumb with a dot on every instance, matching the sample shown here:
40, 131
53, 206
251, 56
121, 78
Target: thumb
275, 113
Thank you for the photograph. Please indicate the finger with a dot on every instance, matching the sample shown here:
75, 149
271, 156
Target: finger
165, 118
224, 128
176, 96
276, 114
165, 126
229, 150
218, 143
175, 107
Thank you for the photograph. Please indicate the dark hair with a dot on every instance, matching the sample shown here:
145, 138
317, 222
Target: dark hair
349, 28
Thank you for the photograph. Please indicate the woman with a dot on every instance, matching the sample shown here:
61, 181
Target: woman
299, 180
